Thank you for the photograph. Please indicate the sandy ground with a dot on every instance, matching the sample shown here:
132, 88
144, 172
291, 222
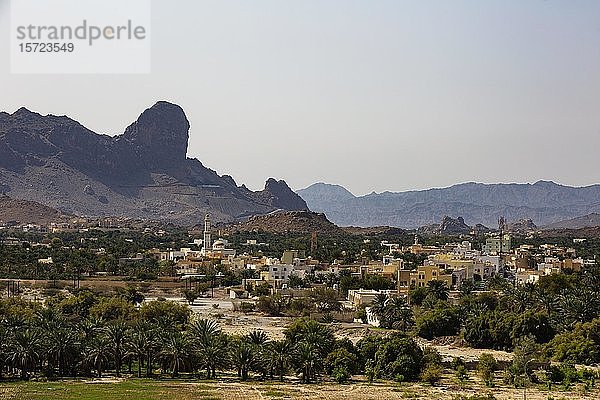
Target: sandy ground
237, 323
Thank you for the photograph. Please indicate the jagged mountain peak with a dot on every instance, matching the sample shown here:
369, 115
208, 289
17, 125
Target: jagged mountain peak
23, 111
278, 194
143, 173
160, 135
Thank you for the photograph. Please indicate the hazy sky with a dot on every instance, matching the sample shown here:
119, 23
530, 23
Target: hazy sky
372, 95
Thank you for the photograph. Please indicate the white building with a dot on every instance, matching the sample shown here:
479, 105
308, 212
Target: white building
206, 242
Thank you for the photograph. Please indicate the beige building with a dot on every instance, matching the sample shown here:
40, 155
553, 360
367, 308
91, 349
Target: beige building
421, 277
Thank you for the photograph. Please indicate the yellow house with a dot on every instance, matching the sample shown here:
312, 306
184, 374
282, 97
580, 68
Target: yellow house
422, 276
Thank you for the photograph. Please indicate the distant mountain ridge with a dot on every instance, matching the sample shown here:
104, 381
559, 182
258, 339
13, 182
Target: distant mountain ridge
543, 202
587, 221
143, 173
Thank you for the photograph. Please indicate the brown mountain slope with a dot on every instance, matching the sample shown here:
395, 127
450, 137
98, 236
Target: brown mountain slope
28, 212
301, 222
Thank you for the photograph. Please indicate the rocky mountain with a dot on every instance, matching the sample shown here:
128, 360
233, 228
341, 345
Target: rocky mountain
28, 212
522, 226
278, 194
543, 202
586, 221
325, 196
449, 226
143, 173
374, 231
302, 222
590, 232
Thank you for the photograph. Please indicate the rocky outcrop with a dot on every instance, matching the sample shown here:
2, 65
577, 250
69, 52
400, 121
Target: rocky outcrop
480, 229
159, 137
448, 226
143, 173
522, 226
300, 222
278, 194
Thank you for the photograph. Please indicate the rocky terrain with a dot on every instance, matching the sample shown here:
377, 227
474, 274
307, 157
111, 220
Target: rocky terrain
304, 222
543, 202
374, 230
522, 226
28, 212
143, 173
287, 222
586, 221
451, 226
587, 233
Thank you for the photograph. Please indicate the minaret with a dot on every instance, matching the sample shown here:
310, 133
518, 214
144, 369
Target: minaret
206, 241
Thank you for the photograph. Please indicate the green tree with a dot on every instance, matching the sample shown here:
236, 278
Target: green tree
243, 356
308, 361
439, 289
116, 333
399, 358
487, 366
176, 352
278, 357
25, 351
341, 364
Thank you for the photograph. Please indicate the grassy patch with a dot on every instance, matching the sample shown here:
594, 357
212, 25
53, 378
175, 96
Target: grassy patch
129, 389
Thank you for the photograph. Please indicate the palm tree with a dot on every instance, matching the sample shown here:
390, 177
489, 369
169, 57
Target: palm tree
97, 354
399, 314
378, 305
311, 331
278, 355
212, 354
578, 305
176, 352
24, 351
141, 346
243, 356
439, 289
520, 298
62, 348
117, 335
547, 300
308, 361
258, 338
89, 328
203, 329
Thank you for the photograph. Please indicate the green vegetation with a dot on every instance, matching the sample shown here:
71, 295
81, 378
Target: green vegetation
86, 335
132, 388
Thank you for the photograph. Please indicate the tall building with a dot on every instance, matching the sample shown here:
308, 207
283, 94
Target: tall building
206, 242
497, 245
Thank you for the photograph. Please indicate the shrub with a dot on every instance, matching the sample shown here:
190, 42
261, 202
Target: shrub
432, 374
487, 366
341, 375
